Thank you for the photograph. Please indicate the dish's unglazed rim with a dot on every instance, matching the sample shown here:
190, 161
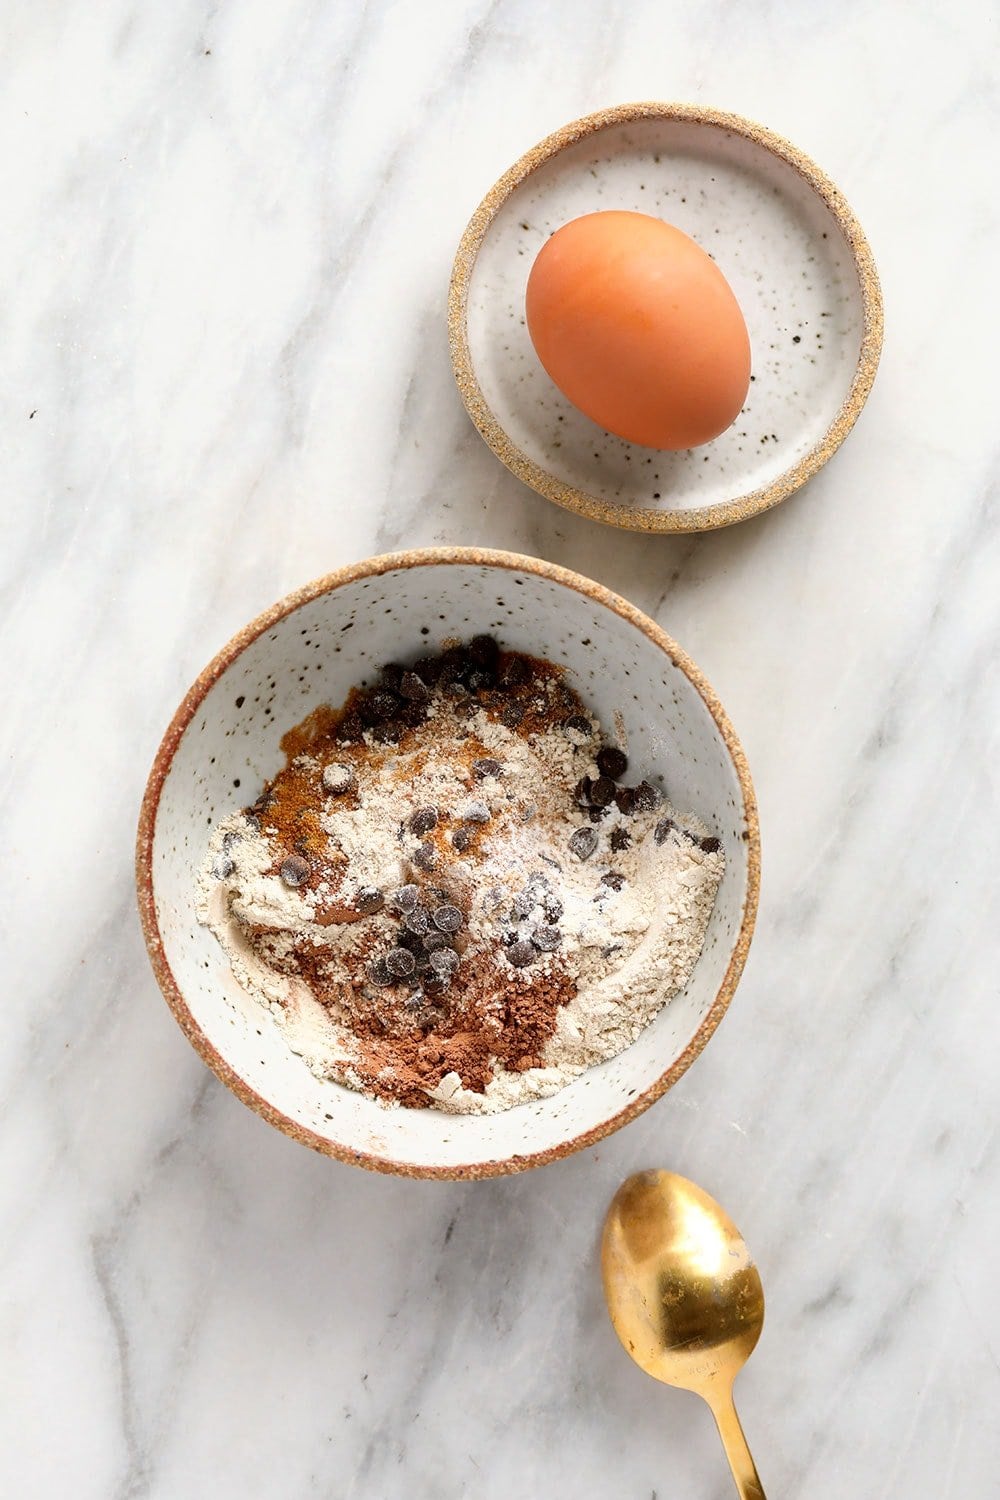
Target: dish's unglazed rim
701, 518
373, 567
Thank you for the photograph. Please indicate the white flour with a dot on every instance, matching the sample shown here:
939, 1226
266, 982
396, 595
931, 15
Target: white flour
629, 949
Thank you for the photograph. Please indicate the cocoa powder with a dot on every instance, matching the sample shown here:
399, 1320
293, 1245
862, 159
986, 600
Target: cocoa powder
481, 1033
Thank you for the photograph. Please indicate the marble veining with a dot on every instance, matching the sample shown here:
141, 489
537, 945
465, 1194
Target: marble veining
228, 232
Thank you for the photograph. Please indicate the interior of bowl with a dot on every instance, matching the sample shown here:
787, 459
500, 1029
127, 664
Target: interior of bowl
782, 249
313, 655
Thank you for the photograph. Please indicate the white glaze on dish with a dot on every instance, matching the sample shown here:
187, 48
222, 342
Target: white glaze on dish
779, 246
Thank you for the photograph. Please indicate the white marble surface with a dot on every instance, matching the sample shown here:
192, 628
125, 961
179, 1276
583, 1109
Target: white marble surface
227, 234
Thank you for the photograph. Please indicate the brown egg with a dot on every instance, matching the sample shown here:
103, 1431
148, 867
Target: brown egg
639, 328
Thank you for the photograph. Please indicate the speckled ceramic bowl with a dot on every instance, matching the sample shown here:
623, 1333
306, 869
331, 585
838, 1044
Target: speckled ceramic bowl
310, 649
789, 246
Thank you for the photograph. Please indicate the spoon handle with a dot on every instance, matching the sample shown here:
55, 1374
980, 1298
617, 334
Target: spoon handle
735, 1444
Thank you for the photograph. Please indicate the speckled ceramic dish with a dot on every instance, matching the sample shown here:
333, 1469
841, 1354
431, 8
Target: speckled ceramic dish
789, 246
310, 649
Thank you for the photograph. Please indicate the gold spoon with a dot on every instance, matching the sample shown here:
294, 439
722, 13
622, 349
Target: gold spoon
685, 1297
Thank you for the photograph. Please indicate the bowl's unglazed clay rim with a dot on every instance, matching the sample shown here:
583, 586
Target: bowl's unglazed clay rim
373, 567
703, 518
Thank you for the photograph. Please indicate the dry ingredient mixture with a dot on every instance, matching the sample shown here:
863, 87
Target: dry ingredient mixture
451, 896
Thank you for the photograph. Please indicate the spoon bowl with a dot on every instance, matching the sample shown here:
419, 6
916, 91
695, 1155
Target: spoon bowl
685, 1297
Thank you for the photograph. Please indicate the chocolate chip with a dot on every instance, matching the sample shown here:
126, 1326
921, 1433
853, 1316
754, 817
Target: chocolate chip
552, 906
523, 905
435, 940
411, 940
614, 878
620, 839
647, 797
415, 999
484, 651
602, 792
711, 845
377, 706
625, 800
546, 938
512, 714
577, 724
417, 921
403, 898
338, 779
444, 962
663, 830
392, 675
350, 728
409, 717
223, 867
368, 900
423, 959
294, 870
400, 962
428, 668
583, 843
387, 733
457, 658
414, 689
461, 839
481, 681
521, 954
612, 762
515, 672
423, 820
581, 792
454, 687
447, 918
379, 972
595, 814
425, 857
485, 767
476, 812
